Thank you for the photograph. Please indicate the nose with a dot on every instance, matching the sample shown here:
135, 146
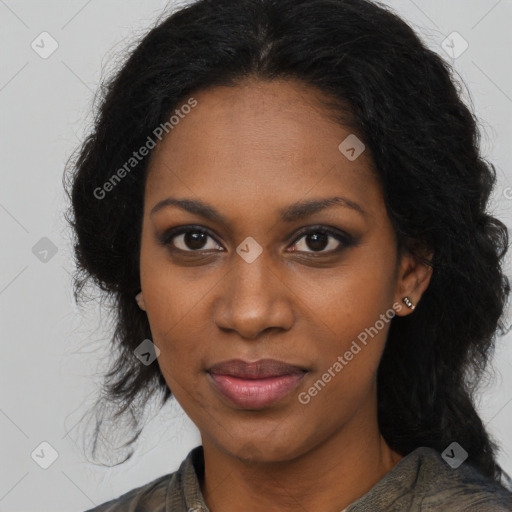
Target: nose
253, 299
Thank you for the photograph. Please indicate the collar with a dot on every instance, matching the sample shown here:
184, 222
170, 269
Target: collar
184, 490
420, 478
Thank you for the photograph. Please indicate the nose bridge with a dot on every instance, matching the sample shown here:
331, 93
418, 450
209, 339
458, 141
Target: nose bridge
249, 277
253, 297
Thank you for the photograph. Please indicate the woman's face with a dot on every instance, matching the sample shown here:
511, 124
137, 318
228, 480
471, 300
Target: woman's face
255, 286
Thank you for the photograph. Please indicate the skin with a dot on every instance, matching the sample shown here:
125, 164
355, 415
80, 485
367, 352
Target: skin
249, 151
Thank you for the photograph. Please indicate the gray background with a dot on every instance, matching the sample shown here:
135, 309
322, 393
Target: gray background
53, 354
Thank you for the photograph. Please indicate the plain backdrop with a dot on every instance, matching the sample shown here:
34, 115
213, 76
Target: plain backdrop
51, 352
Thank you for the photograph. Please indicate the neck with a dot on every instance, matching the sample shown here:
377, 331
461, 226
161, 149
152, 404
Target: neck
327, 477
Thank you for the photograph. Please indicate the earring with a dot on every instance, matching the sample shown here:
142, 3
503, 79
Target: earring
407, 301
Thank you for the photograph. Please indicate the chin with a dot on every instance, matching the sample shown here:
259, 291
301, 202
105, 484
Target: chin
265, 450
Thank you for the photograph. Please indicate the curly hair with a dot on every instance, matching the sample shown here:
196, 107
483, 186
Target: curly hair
402, 100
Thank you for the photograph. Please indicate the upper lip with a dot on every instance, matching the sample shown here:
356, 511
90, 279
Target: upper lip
255, 370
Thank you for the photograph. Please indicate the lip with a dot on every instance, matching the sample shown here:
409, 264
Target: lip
255, 385
263, 368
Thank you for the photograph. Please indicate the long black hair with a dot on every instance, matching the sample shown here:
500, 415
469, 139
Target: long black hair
404, 103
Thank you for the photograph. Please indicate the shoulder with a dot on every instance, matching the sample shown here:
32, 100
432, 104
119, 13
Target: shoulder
146, 498
179, 490
423, 481
464, 488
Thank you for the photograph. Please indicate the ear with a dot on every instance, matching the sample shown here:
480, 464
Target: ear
140, 301
413, 277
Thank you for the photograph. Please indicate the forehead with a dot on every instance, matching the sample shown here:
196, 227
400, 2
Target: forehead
265, 141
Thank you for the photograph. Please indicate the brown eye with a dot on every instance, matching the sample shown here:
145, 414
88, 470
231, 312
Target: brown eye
190, 240
193, 240
320, 241
317, 241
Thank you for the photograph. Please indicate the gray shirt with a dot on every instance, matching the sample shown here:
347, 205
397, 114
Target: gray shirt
421, 481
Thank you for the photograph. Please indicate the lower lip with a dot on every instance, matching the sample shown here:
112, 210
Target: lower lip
255, 393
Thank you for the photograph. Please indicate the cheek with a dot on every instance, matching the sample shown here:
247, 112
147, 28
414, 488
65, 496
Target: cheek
174, 311
353, 298
344, 376
355, 313
170, 294
177, 320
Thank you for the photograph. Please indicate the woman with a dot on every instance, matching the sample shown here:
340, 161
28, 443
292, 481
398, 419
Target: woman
286, 200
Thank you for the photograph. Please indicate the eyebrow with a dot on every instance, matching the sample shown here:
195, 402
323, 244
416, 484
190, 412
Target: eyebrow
291, 213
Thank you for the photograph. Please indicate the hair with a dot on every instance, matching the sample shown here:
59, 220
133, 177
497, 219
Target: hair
402, 100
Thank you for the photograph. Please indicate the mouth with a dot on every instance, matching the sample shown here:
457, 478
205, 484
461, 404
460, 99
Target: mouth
255, 385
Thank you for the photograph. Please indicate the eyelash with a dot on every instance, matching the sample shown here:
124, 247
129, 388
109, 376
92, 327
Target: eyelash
344, 239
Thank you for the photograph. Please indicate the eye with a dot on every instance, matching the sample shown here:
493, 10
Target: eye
321, 240
190, 239
312, 240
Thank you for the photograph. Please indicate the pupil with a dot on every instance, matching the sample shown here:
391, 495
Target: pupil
319, 241
195, 239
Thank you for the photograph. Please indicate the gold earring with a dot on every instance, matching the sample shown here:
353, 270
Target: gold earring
407, 301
